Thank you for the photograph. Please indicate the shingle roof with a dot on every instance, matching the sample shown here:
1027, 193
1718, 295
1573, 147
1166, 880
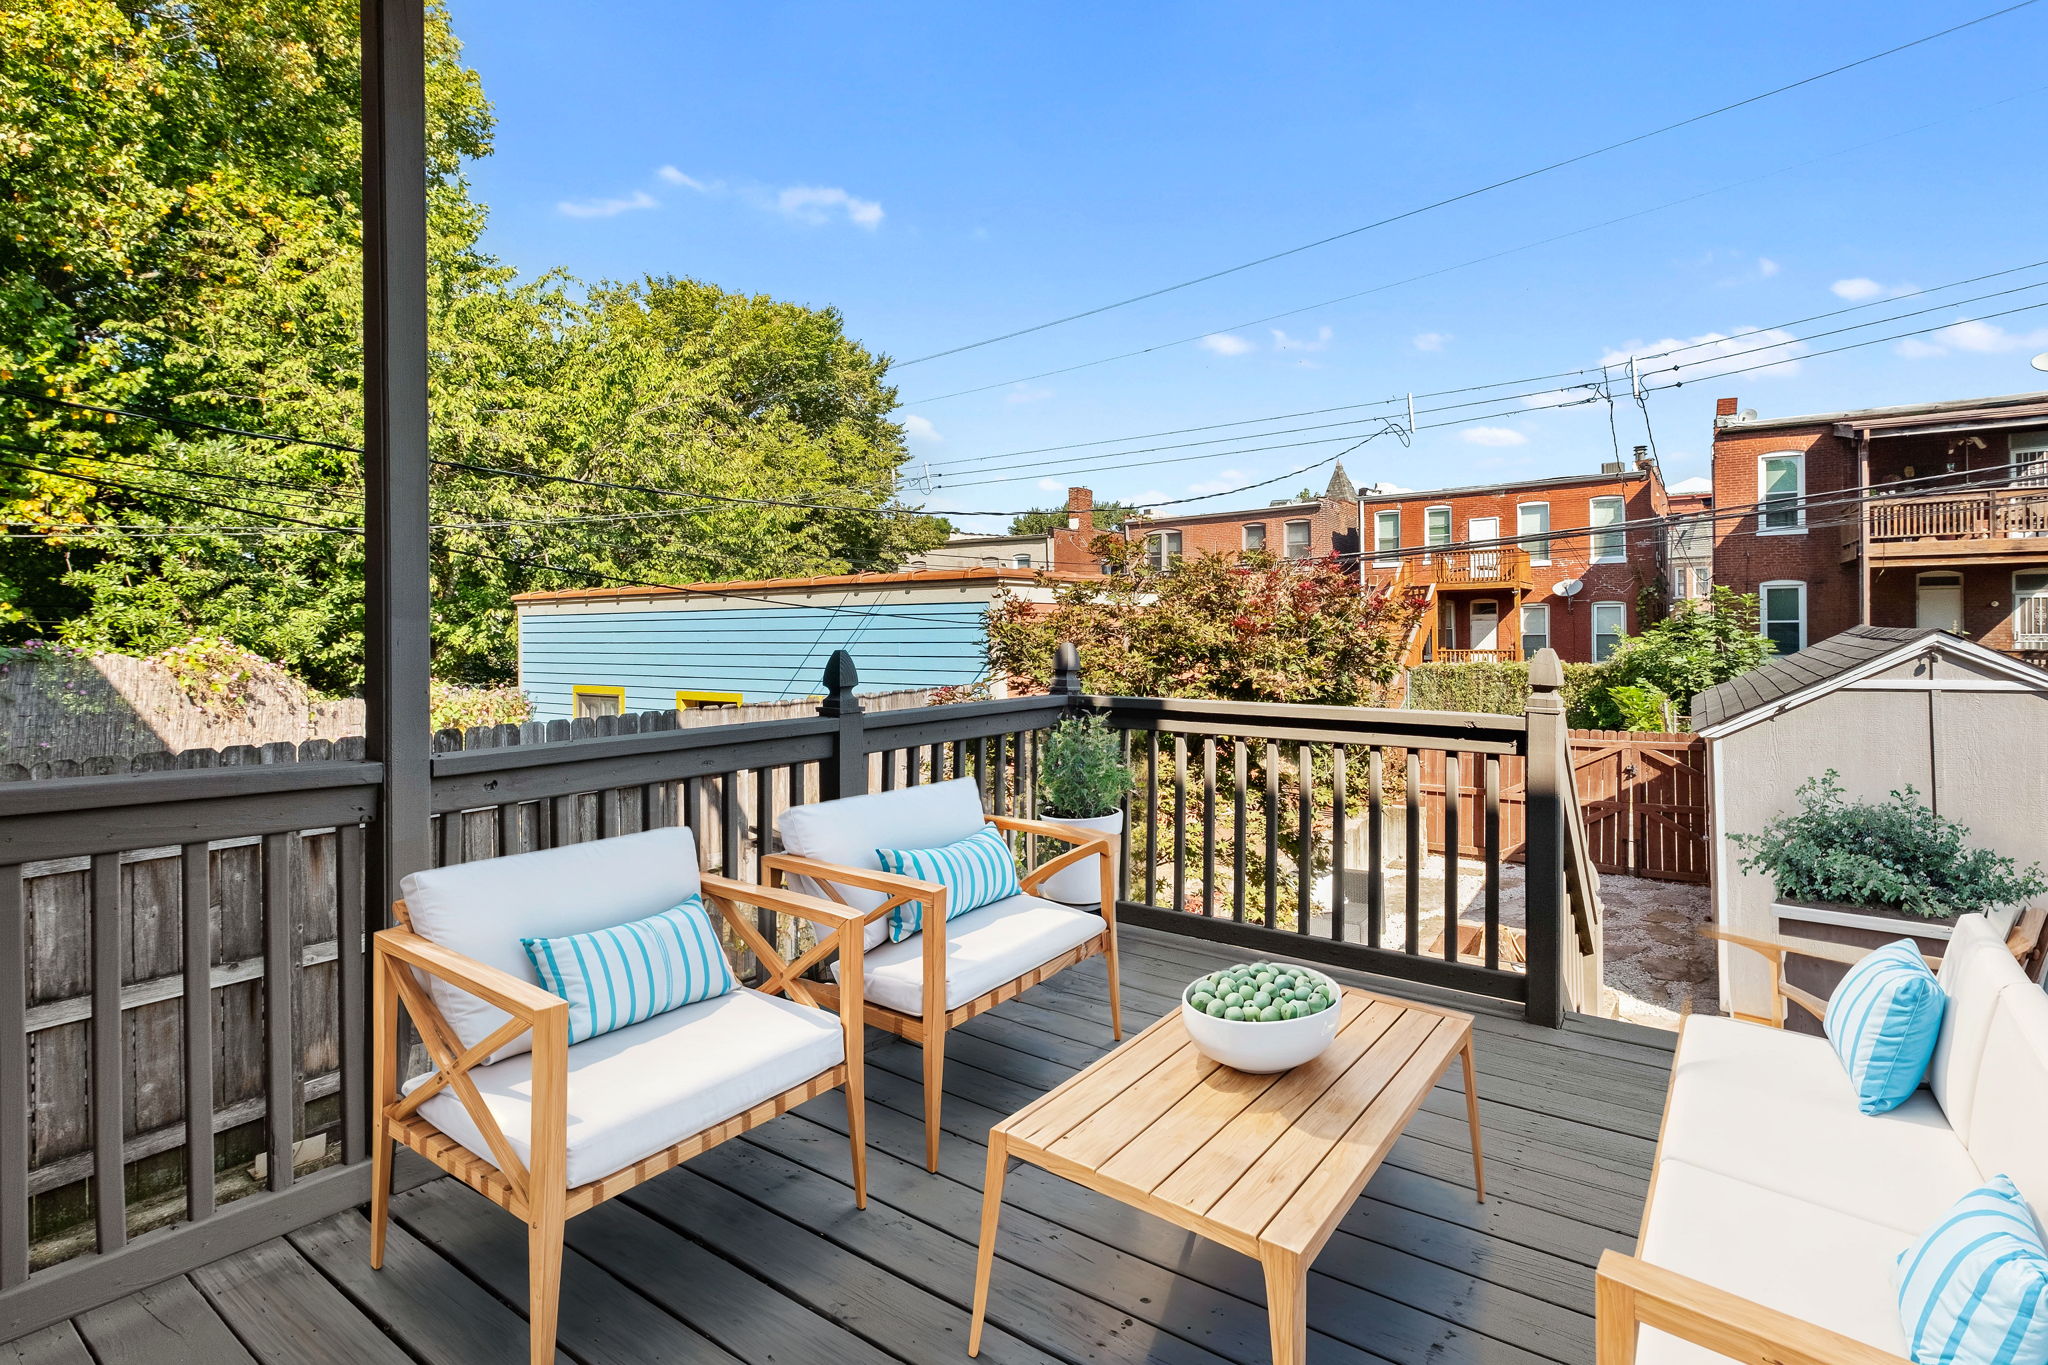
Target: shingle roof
1782, 677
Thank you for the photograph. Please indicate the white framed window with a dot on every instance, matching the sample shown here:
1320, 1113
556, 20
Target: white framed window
2030, 609
1436, 527
1610, 623
1783, 612
1609, 547
1386, 536
592, 701
1702, 580
1535, 629
1781, 493
2028, 451
1162, 548
1533, 519
1254, 536
1295, 540
1446, 624
1021, 562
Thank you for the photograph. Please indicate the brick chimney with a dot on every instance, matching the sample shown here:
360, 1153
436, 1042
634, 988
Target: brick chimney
1726, 407
1080, 509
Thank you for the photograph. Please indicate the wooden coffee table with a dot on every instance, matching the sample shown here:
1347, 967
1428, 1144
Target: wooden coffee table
1266, 1165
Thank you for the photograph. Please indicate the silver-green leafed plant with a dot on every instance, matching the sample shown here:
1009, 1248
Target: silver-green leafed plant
1083, 774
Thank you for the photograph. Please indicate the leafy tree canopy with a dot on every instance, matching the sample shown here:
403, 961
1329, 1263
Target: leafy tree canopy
1229, 627
1039, 520
1651, 678
184, 234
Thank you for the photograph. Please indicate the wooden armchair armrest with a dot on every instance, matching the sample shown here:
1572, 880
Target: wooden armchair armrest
899, 888
1048, 829
517, 997
819, 911
1631, 1294
1778, 949
1086, 843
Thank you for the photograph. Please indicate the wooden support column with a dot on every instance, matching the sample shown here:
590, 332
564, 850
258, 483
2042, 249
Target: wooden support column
1545, 818
1863, 528
395, 462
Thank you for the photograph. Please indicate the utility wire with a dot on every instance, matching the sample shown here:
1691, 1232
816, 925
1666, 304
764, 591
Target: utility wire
1473, 193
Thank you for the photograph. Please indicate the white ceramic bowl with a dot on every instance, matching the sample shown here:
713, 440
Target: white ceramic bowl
1247, 1045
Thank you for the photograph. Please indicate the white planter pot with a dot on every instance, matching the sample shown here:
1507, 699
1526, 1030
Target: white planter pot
1081, 884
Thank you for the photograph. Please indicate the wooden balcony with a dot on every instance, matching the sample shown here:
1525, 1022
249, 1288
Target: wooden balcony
1504, 569
1957, 527
1478, 656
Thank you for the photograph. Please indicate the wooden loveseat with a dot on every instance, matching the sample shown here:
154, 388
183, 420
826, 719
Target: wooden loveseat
1776, 1207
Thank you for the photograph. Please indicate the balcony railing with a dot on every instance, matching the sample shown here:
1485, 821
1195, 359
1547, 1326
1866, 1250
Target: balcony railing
1503, 567
1477, 656
1995, 514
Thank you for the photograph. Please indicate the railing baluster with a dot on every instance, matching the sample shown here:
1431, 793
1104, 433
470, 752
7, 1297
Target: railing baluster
1375, 845
109, 1195
196, 881
14, 1097
1492, 856
1272, 917
1180, 822
1339, 760
693, 816
1240, 772
561, 821
451, 838
280, 958
999, 776
1453, 800
608, 813
1209, 826
509, 841
981, 772
1413, 941
1126, 845
1305, 835
1151, 817
731, 825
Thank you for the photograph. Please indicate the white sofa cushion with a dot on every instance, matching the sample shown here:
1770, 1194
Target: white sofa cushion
1819, 1264
984, 949
2009, 1113
849, 830
1775, 1110
483, 909
640, 1090
1975, 968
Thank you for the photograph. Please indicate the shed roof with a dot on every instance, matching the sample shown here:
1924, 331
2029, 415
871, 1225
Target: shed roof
1831, 659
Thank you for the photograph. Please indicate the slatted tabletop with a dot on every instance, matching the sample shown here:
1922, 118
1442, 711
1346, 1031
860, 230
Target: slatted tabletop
1264, 1164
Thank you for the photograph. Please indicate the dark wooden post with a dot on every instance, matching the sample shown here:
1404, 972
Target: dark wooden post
1066, 670
845, 773
1549, 751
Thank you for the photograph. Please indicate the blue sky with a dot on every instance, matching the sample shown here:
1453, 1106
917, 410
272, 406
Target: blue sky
946, 173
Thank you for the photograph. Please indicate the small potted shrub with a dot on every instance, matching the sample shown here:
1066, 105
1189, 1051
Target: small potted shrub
1869, 872
1082, 781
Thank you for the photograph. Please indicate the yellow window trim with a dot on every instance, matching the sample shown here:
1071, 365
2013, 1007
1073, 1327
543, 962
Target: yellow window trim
686, 699
590, 690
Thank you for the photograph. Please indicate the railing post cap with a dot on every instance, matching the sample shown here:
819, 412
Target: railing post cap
841, 678
1066, 670
1546, 671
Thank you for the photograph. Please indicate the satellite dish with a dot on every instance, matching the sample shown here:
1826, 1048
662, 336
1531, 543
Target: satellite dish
2040, 361
1571, 587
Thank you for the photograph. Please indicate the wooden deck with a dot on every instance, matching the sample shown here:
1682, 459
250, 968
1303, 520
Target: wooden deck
753, 1252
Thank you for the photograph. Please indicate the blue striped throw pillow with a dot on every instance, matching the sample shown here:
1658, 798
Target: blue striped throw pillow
1974, 1290
977, 871
616, 977
1883, 1020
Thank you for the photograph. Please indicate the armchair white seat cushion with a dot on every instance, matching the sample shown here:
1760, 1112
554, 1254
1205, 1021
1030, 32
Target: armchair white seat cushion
484, 909
642, 1089
2008, 1123
1819, 1264
850, 830
984, 949
1776, 1110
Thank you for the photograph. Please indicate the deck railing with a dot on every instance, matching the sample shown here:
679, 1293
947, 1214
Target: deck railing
182, 1007
1988, 515
1502, 566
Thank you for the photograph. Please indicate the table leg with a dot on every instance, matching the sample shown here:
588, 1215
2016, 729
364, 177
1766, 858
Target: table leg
1286, 1304
991, 1209
1472, 1117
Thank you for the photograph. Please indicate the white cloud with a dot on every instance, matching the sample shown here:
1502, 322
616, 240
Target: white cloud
1224, 343
1221, 483
1494, 436
688, 182
1692, 485
1431, 341
818, 204
1025, 394
607, 208
921, 429
1385, 487
1978, 338
1319, 342
1773, 348
1766, 267
1857, 289
1052, 485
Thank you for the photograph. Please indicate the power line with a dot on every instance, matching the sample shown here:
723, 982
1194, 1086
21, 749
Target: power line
1471, 193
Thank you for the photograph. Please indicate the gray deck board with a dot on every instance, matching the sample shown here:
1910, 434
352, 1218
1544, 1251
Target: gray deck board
753, 1251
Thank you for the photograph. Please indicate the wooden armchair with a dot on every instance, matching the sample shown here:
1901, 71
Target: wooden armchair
949, 972
547, 1129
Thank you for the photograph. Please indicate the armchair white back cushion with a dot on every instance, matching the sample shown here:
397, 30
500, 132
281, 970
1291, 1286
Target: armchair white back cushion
849, 830
483, 909
2008, 1131
1975, 967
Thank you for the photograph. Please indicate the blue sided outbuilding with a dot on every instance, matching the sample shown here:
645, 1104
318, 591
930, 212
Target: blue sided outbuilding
607, 651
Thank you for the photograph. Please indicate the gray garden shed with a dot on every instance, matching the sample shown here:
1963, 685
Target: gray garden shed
1885, 708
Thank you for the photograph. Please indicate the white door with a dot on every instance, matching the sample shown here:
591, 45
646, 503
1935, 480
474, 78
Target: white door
1486, 625
1485, 561
1939, 605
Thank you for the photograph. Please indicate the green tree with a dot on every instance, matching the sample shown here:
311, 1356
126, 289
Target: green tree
1107, 517
1653, 676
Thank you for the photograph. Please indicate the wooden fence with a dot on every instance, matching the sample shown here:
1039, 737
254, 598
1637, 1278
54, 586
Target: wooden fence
1643, 797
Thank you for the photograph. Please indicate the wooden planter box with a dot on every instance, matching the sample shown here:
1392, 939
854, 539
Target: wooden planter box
1856, 925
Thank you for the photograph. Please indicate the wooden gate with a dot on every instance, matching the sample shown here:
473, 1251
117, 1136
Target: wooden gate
1643, 796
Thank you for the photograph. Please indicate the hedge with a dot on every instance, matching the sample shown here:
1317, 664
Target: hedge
1499, 689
